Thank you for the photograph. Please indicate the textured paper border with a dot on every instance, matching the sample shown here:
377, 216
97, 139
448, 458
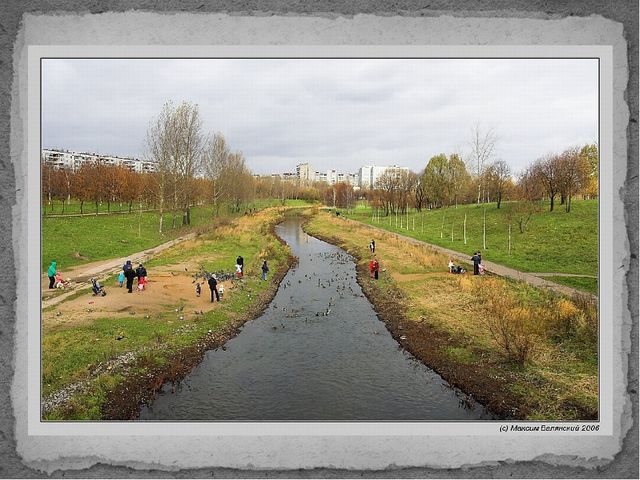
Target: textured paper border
341, 31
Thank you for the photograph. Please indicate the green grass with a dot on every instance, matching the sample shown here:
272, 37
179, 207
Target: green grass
77, 240
554, 241
70, 353
585, 284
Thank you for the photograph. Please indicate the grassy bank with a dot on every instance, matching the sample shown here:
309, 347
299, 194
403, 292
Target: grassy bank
553, 241
105, 365
457, 325
78, 240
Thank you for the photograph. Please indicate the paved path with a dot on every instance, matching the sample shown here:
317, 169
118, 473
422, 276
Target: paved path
531, 278
81, 275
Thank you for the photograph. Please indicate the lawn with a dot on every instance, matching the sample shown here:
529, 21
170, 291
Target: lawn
553, 241
77, 240
79, 351
559, 380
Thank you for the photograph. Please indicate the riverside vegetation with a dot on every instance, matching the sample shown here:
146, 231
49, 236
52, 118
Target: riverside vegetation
524, 352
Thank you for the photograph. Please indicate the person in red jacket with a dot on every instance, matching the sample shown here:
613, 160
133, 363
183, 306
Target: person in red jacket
376, 268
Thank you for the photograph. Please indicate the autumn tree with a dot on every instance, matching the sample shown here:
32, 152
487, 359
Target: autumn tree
214, 160
547, 172
498, 179
573, 174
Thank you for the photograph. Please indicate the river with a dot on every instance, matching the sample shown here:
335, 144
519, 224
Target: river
318, 352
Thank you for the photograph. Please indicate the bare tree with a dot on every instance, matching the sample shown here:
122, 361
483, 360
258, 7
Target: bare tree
573, 174
482, 147
215, 159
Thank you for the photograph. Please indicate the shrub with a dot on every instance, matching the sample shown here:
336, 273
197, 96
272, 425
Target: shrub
588, 317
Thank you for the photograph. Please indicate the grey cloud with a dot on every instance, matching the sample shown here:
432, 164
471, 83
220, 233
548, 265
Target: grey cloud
331, 113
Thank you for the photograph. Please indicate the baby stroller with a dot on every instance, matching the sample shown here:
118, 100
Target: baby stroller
97, 288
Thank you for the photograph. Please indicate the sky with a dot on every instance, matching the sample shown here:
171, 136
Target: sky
332, 113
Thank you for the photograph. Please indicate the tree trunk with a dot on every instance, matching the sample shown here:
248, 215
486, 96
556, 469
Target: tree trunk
81, 206
499, 199
551, 205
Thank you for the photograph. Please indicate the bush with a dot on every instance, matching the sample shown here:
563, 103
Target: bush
587, 324
512, 327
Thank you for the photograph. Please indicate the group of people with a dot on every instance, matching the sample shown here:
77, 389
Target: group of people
128, 274
374, 265
212, 281
478, 268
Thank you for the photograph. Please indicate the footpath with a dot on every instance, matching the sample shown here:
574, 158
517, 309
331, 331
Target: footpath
535, 279
81, 275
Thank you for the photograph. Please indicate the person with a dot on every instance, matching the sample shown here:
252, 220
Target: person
452, 266
141, 272
121, 278
129, 274
240, 261
376, 268
238, 271
212, 286
142, 282
371, 268
60, 283
127, 266
480, 269
265, 269
51, 272
476, 262
372, 246
221, 291
198, 289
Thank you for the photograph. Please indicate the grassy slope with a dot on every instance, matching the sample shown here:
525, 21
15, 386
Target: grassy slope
77, 240
561, 381
70, 353
554, 241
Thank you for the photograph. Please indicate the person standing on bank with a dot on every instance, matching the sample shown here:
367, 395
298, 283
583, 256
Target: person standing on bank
372, 246
265, 269
376, 268
240, 261
51, 273
129, 274
213, 286
476, 262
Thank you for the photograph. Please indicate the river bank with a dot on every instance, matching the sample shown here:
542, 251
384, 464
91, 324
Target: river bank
442, 320
104, 356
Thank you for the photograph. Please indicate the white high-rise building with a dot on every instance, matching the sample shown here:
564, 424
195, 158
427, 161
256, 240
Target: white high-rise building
332, 177
304, 172
368, 175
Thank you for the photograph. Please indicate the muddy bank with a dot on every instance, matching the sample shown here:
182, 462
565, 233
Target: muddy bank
429, 344
124, 402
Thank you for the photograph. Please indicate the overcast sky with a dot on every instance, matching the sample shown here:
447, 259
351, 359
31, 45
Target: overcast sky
338, 114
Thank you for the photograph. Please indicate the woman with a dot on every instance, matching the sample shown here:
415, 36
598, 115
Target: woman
52, 274
376, 268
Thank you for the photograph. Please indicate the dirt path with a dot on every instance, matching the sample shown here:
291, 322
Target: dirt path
80, 275
535, 279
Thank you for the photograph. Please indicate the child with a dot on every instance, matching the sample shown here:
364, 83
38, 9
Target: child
60, 283
238, 270
451, 266
480, 269
221, 291
121, 278
198, 289
142, 282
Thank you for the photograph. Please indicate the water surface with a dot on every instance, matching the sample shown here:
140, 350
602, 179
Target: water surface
318, 352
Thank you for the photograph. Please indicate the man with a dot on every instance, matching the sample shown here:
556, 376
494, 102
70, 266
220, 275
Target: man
476, 262
213, 283
130, 274
240, 261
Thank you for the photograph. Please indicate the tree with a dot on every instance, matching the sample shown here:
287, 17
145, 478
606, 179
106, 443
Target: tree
573, 174
547, 171
457, 177
214, 161
498, 177
482, 147
436, 178
590, 155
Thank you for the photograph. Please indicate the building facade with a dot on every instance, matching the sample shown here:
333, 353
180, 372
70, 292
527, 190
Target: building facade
74, 160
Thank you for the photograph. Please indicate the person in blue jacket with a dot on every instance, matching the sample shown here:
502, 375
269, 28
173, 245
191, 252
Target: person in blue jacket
52, 274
